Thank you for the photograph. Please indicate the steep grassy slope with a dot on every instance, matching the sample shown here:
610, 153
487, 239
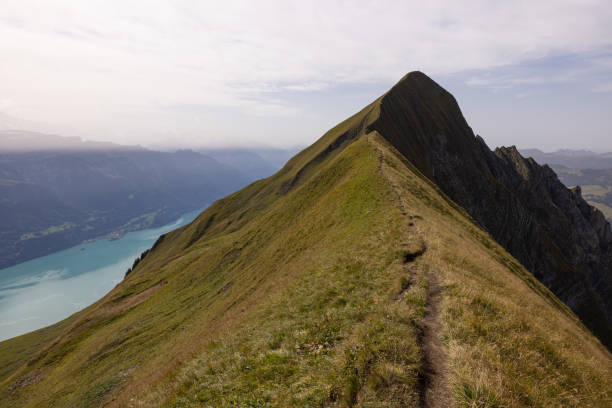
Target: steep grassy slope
347, 279
17, 351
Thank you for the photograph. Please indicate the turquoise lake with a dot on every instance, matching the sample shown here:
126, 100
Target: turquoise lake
45, 290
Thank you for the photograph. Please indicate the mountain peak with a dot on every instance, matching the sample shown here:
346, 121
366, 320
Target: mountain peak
417, 77
521, 204
418, 87
419, 117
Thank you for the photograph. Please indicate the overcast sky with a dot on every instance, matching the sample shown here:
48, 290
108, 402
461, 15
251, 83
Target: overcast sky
280, 73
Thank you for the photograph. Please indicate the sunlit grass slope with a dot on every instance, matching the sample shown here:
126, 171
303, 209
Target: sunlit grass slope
309, 289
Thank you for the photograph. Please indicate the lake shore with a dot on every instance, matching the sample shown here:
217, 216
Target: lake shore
45, 290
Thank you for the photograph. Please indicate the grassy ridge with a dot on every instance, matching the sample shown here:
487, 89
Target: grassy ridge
330, 325
510, 341
298, 291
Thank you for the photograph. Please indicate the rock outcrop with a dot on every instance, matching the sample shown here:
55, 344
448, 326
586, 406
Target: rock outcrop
550, 229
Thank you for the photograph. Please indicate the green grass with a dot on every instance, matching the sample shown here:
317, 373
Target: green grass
51, 230
294, 292
17, 351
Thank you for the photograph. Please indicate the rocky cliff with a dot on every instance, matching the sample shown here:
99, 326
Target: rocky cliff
550, 229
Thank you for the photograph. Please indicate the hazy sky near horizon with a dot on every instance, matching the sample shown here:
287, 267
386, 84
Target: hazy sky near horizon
280, 73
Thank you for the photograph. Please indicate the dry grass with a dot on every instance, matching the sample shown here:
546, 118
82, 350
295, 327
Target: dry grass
508, 345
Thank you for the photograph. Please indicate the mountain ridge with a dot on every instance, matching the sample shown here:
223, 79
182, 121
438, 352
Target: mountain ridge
330, 283
424, 122
501, 190
577, 159
22, 141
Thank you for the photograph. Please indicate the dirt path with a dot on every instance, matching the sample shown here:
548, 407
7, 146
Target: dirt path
435, 392
434, 385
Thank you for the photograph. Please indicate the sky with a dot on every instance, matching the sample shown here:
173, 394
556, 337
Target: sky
176, 74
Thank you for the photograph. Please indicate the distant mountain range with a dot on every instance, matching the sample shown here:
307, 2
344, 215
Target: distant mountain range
21, 141
574, 159
256, 162
56, 192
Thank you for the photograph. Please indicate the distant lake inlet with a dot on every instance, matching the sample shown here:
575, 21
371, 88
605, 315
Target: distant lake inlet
45, 290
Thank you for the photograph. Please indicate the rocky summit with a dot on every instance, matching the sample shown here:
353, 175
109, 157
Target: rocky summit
551, 230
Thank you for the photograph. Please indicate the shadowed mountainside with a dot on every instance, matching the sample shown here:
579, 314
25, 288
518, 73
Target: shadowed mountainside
552, 231
595, 185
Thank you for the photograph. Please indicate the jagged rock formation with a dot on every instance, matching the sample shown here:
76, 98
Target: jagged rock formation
551, 230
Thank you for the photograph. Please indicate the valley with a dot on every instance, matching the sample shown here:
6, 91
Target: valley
75, 192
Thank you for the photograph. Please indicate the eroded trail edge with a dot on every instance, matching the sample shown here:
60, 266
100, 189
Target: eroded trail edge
434, 386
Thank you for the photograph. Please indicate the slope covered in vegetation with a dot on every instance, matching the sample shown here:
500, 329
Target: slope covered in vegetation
347, 279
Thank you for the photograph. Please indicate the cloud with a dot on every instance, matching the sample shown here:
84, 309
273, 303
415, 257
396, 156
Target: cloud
605, 87
99, 64
307, 87
590, 69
